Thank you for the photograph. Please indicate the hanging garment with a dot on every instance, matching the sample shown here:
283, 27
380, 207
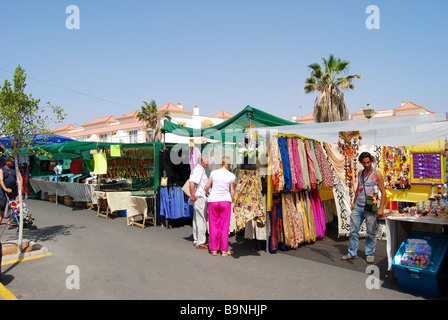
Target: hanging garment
295, 224
324, 165
304, 165
164, 202
316, 163
100, 163
301, 208
318, 213
301, 218
297, 166
277, 237
174, 203
286, 216
194, 155
292, 165
285, 161
311, 167
248, 202
276, 166
310, 216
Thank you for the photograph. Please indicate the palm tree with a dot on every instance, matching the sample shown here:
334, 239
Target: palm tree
330, 105
153, 119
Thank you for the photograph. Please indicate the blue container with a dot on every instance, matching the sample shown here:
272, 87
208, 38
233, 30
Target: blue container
428, 281
122, 213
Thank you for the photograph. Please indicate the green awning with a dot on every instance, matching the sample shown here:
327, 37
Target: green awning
235, 126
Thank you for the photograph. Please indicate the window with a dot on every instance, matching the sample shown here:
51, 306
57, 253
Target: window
103, 137
206, 124
132, 136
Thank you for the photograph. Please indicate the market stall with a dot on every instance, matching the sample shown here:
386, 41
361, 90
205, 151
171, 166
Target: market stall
252, 158
415, 175
99, 173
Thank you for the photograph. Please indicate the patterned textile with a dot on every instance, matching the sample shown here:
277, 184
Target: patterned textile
248, 203
316, 163
306, 185
292, 165
294, 222
297, 165
276, 165
277, 239
311, 167
324, 165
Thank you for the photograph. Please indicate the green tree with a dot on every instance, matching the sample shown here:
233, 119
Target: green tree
21, 118
330, 104
153, 119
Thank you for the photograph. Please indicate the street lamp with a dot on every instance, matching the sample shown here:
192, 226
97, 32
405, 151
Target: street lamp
368, 112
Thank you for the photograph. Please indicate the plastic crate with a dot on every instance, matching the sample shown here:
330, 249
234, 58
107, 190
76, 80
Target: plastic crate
428, 281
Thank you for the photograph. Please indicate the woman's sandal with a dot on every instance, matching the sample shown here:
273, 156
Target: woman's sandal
226, 254
214, 253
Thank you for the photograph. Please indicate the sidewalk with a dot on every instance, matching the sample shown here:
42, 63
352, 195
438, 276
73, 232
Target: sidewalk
117, 261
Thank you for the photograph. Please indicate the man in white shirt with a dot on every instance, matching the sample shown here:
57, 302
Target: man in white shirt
198, 179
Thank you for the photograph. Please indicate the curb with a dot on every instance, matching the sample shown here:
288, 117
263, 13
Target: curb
36, 250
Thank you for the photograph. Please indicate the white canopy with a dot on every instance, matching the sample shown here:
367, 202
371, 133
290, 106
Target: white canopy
393, 131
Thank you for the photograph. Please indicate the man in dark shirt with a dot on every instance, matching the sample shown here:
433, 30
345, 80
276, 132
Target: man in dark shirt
8, 184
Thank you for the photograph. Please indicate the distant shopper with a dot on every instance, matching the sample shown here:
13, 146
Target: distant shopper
8, 184
222, 184
366, 206
198, 179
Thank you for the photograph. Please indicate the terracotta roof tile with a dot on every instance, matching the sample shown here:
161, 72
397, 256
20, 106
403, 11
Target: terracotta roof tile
172, 108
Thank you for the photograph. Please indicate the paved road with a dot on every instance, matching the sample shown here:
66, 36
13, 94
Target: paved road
116, 261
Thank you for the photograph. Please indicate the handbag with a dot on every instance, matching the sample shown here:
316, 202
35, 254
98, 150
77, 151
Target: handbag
186, 188
369, 206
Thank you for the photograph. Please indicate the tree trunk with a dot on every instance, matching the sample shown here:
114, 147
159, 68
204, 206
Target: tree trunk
19, 190
330, 105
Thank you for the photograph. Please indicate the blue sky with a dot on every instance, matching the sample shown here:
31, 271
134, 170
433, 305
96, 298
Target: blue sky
222, 55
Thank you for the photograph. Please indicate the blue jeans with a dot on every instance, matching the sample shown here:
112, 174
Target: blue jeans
357, 217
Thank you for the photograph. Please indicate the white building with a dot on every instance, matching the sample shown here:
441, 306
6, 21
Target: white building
127, 129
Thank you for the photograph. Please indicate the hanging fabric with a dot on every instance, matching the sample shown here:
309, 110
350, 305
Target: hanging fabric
174, 203
294, 182
324, 165
248, 202
311, 167
277, 236
285, 161
316, 164
194, 155
276, 165
302, 217
297, 166
295, 224
304, 165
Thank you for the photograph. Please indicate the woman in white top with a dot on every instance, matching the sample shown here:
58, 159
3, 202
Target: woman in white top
222, 184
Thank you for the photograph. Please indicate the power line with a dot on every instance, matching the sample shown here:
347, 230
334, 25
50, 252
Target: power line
74, 91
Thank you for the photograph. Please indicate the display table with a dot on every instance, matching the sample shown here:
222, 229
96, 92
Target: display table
114, 201
138, 206
393, 242
80, 192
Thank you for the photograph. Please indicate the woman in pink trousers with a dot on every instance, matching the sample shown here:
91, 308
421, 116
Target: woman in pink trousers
222, 184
